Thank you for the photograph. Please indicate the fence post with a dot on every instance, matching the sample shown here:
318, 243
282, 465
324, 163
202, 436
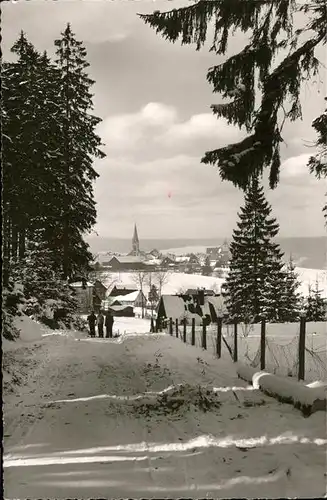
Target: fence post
184, 330
177, 327
219, 332
263, 344
302, 348
193, 331
235, 342
171, 326
204, 334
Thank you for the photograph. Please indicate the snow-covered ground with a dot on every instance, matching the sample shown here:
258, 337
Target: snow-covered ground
185, 250
177, 282
152, 417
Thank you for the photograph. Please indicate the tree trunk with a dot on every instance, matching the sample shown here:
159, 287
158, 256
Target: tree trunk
22, 243
14, 242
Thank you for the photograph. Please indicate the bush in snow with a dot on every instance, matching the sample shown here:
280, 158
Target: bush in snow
13, 301
47, 295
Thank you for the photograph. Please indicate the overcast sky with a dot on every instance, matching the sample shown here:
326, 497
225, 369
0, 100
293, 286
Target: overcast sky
155, 101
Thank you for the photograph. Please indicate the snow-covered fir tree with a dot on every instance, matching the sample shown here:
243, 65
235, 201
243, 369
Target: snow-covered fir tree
79, 146
256, 283
49, 145
316, 305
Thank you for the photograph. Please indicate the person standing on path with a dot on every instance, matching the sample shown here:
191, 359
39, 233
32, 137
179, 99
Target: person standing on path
92, 320
100, 324
109, 323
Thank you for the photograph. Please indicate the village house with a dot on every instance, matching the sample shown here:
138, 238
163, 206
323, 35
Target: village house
125, 311
189, 307
134, 299
193, 266
167, 263
125, 263
213, 253
181, 263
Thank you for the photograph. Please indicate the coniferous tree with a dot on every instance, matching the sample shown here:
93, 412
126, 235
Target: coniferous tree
206, 269
318, 163
315, 307
37, 194
255, 282
79, 146
263, 94
292, 298
19, 137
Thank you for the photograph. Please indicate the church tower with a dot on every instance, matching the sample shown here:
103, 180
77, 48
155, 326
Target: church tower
135, 242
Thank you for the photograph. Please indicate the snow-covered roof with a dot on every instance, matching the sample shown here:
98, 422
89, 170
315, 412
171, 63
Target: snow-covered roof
79, 284
119, 308
153, 261
129, 297
126, 287
127, 259
182, 259
174, 306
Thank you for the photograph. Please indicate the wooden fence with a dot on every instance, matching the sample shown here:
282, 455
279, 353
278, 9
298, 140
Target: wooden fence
179, 329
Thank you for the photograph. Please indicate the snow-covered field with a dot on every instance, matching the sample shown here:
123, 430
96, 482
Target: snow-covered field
177, 282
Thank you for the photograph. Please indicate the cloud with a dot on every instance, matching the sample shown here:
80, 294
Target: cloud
295, 166
201, 126
156, 129
130, 130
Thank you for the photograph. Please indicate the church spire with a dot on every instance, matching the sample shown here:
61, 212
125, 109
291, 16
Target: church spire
135, 242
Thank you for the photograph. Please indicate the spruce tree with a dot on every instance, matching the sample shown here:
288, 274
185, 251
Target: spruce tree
79, 146
253, 285
315, 308
19, 98
292, 297
318, 163
206, 269
263, 95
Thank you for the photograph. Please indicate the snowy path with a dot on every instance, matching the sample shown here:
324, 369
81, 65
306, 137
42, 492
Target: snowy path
78, 427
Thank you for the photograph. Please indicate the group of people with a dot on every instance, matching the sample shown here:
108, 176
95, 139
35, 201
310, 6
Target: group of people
101, 321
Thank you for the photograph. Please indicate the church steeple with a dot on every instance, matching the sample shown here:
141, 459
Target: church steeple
135, 242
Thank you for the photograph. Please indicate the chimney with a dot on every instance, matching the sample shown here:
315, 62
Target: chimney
201, 297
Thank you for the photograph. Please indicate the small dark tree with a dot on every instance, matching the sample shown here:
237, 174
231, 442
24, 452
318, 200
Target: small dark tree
206, 269
153, 297
315, 308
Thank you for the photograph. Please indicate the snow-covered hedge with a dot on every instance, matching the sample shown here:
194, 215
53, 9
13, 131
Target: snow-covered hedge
308, 399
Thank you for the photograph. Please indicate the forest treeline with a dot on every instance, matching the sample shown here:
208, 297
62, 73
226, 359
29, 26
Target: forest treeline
49, 145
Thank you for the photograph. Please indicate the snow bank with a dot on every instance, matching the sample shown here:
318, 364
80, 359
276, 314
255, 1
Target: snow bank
307, 398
